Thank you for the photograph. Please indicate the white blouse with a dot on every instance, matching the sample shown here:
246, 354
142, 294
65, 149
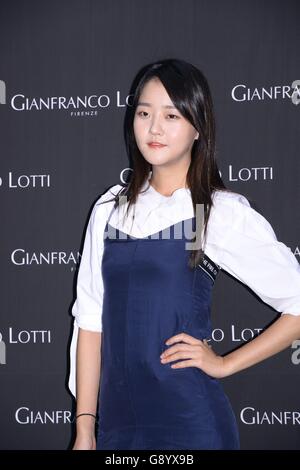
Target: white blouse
239, 240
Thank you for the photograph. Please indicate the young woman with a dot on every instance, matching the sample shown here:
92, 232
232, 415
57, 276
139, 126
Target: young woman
148, 266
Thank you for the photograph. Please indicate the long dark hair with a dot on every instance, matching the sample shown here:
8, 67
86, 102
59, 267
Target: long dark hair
188, 89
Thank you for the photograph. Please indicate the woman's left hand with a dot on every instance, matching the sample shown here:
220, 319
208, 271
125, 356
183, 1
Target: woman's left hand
196, 353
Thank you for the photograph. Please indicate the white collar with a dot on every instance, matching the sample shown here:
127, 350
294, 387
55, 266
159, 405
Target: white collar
149, 190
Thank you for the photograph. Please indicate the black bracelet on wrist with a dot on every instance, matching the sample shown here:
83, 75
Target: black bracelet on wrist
85, 414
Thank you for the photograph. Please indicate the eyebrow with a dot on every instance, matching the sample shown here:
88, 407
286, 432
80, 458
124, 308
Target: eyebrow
169, 106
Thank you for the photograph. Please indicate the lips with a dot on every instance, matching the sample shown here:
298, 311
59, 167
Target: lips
156, 145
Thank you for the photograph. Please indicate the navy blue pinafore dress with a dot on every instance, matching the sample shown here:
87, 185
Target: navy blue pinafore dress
151, 294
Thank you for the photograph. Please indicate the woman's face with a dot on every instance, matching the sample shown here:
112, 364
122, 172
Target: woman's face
157, 120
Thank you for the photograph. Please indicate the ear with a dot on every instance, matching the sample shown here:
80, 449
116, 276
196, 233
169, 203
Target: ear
197, 137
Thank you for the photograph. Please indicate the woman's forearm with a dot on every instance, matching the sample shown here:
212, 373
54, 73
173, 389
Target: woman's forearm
274, 339
87, 377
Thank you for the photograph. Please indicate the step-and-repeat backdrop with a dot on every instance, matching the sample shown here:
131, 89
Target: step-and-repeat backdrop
66, 70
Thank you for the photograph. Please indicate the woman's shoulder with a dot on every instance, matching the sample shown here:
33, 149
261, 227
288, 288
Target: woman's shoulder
234, 212
229, 198
105, 203
229, 208
109, 195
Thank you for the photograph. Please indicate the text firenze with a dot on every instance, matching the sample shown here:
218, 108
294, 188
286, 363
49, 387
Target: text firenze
21, 258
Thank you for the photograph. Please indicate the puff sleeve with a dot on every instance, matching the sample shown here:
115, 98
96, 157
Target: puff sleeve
252, 253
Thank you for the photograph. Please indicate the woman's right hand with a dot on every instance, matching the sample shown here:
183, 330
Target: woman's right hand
85, 442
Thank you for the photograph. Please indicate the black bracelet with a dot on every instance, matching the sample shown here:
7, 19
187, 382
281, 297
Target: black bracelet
85, 414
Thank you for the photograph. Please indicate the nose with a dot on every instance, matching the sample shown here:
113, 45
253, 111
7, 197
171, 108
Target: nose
156, 127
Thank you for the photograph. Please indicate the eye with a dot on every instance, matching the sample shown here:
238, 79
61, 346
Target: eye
174, 116
141, 112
